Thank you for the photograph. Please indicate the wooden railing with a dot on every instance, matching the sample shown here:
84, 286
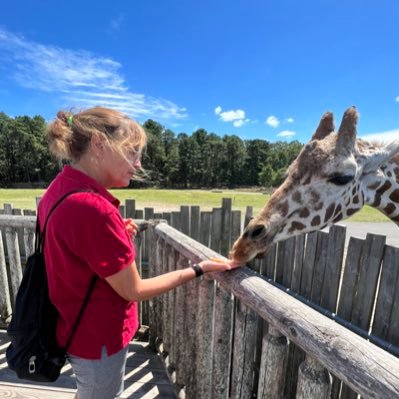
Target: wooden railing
207, 332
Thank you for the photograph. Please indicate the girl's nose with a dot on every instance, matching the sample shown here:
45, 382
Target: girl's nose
137, 163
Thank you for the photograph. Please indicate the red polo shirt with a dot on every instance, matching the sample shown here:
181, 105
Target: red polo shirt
86, 236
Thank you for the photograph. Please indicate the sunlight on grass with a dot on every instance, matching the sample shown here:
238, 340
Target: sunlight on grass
168, 200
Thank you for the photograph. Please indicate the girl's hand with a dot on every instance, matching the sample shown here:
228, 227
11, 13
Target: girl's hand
217, 265
131, 227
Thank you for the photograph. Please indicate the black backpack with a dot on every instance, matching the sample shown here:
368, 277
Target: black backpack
33, 352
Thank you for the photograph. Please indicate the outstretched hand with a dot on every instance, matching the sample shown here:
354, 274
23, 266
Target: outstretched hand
131, 227
218, 265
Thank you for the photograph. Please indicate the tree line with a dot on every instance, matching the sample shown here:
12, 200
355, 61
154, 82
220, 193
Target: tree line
199, 160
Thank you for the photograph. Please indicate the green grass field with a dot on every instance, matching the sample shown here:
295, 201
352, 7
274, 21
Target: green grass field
167, 200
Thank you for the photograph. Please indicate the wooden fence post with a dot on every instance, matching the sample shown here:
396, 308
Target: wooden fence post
222, 338
5, 301
313, 380
204, 339
14, 257
272, 370
246, 321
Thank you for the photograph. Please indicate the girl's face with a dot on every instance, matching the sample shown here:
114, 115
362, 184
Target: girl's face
118, 166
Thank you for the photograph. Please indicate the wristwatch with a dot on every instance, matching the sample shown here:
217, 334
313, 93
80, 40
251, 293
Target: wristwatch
198, 269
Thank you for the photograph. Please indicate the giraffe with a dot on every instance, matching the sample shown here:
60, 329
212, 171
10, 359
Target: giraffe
334, 176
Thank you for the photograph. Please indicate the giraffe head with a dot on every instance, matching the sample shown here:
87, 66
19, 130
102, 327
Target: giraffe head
331, 179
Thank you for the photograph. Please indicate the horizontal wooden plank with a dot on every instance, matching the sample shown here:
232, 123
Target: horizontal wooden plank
15, 221
18, 221
132, 391
28, 392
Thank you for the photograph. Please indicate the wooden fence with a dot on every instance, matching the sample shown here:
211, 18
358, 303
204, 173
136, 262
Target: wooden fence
240, 335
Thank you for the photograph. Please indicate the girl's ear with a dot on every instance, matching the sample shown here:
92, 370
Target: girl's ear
97, 144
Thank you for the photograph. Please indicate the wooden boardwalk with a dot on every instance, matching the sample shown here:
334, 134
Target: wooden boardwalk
145, 378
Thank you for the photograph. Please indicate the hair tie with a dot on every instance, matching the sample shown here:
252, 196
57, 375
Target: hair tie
70, 120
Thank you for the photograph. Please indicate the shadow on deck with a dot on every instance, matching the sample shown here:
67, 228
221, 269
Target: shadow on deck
145, 377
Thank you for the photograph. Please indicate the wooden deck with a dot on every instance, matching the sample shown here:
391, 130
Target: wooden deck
145, 378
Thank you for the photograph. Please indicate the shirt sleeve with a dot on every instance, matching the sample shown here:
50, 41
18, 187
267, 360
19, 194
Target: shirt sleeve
96, 233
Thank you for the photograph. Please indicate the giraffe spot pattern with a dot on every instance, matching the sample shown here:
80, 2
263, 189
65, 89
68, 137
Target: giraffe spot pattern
297, 197
296, 226
304, 213
351, 211
356, 199
315, 196
390, 208
395, 196
337, 210
283, 208
329, 212
337, 218
387, 185
315, 221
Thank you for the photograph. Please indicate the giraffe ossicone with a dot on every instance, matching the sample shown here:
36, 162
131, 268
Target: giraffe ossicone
334, 176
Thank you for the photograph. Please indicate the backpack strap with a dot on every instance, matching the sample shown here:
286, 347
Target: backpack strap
39, 246
87, 297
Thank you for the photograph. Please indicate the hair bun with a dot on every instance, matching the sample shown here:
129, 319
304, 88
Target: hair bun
63, 116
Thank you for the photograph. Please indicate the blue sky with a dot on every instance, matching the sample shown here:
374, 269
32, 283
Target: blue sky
257, 69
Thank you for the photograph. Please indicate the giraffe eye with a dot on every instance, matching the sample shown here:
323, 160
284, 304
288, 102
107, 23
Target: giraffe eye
340, 180
257, 231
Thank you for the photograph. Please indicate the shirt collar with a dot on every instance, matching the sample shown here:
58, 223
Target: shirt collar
89, 182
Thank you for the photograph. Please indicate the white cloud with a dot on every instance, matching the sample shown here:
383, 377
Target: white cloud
80, 78
229, 116
286, 133
289, 120
387, 136
397, 99
235, 116
272, 121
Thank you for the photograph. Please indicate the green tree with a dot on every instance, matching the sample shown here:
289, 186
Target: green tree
171, 167
256, 157
266, 176
214, 157
154, 156
234, 160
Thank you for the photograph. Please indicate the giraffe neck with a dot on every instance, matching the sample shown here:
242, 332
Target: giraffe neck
382, 192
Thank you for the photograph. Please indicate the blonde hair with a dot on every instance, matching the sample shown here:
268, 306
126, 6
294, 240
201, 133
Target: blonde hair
69, 134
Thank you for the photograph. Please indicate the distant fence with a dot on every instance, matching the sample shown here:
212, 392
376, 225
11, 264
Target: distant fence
248, 356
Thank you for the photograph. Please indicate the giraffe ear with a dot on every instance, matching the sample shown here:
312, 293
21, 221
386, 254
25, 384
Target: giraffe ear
347, 131
326, 126
376, 159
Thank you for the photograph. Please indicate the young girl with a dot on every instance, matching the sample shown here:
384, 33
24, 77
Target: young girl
86, 236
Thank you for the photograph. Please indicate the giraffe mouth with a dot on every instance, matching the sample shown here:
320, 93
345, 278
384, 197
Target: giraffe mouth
242, 254
261, 255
